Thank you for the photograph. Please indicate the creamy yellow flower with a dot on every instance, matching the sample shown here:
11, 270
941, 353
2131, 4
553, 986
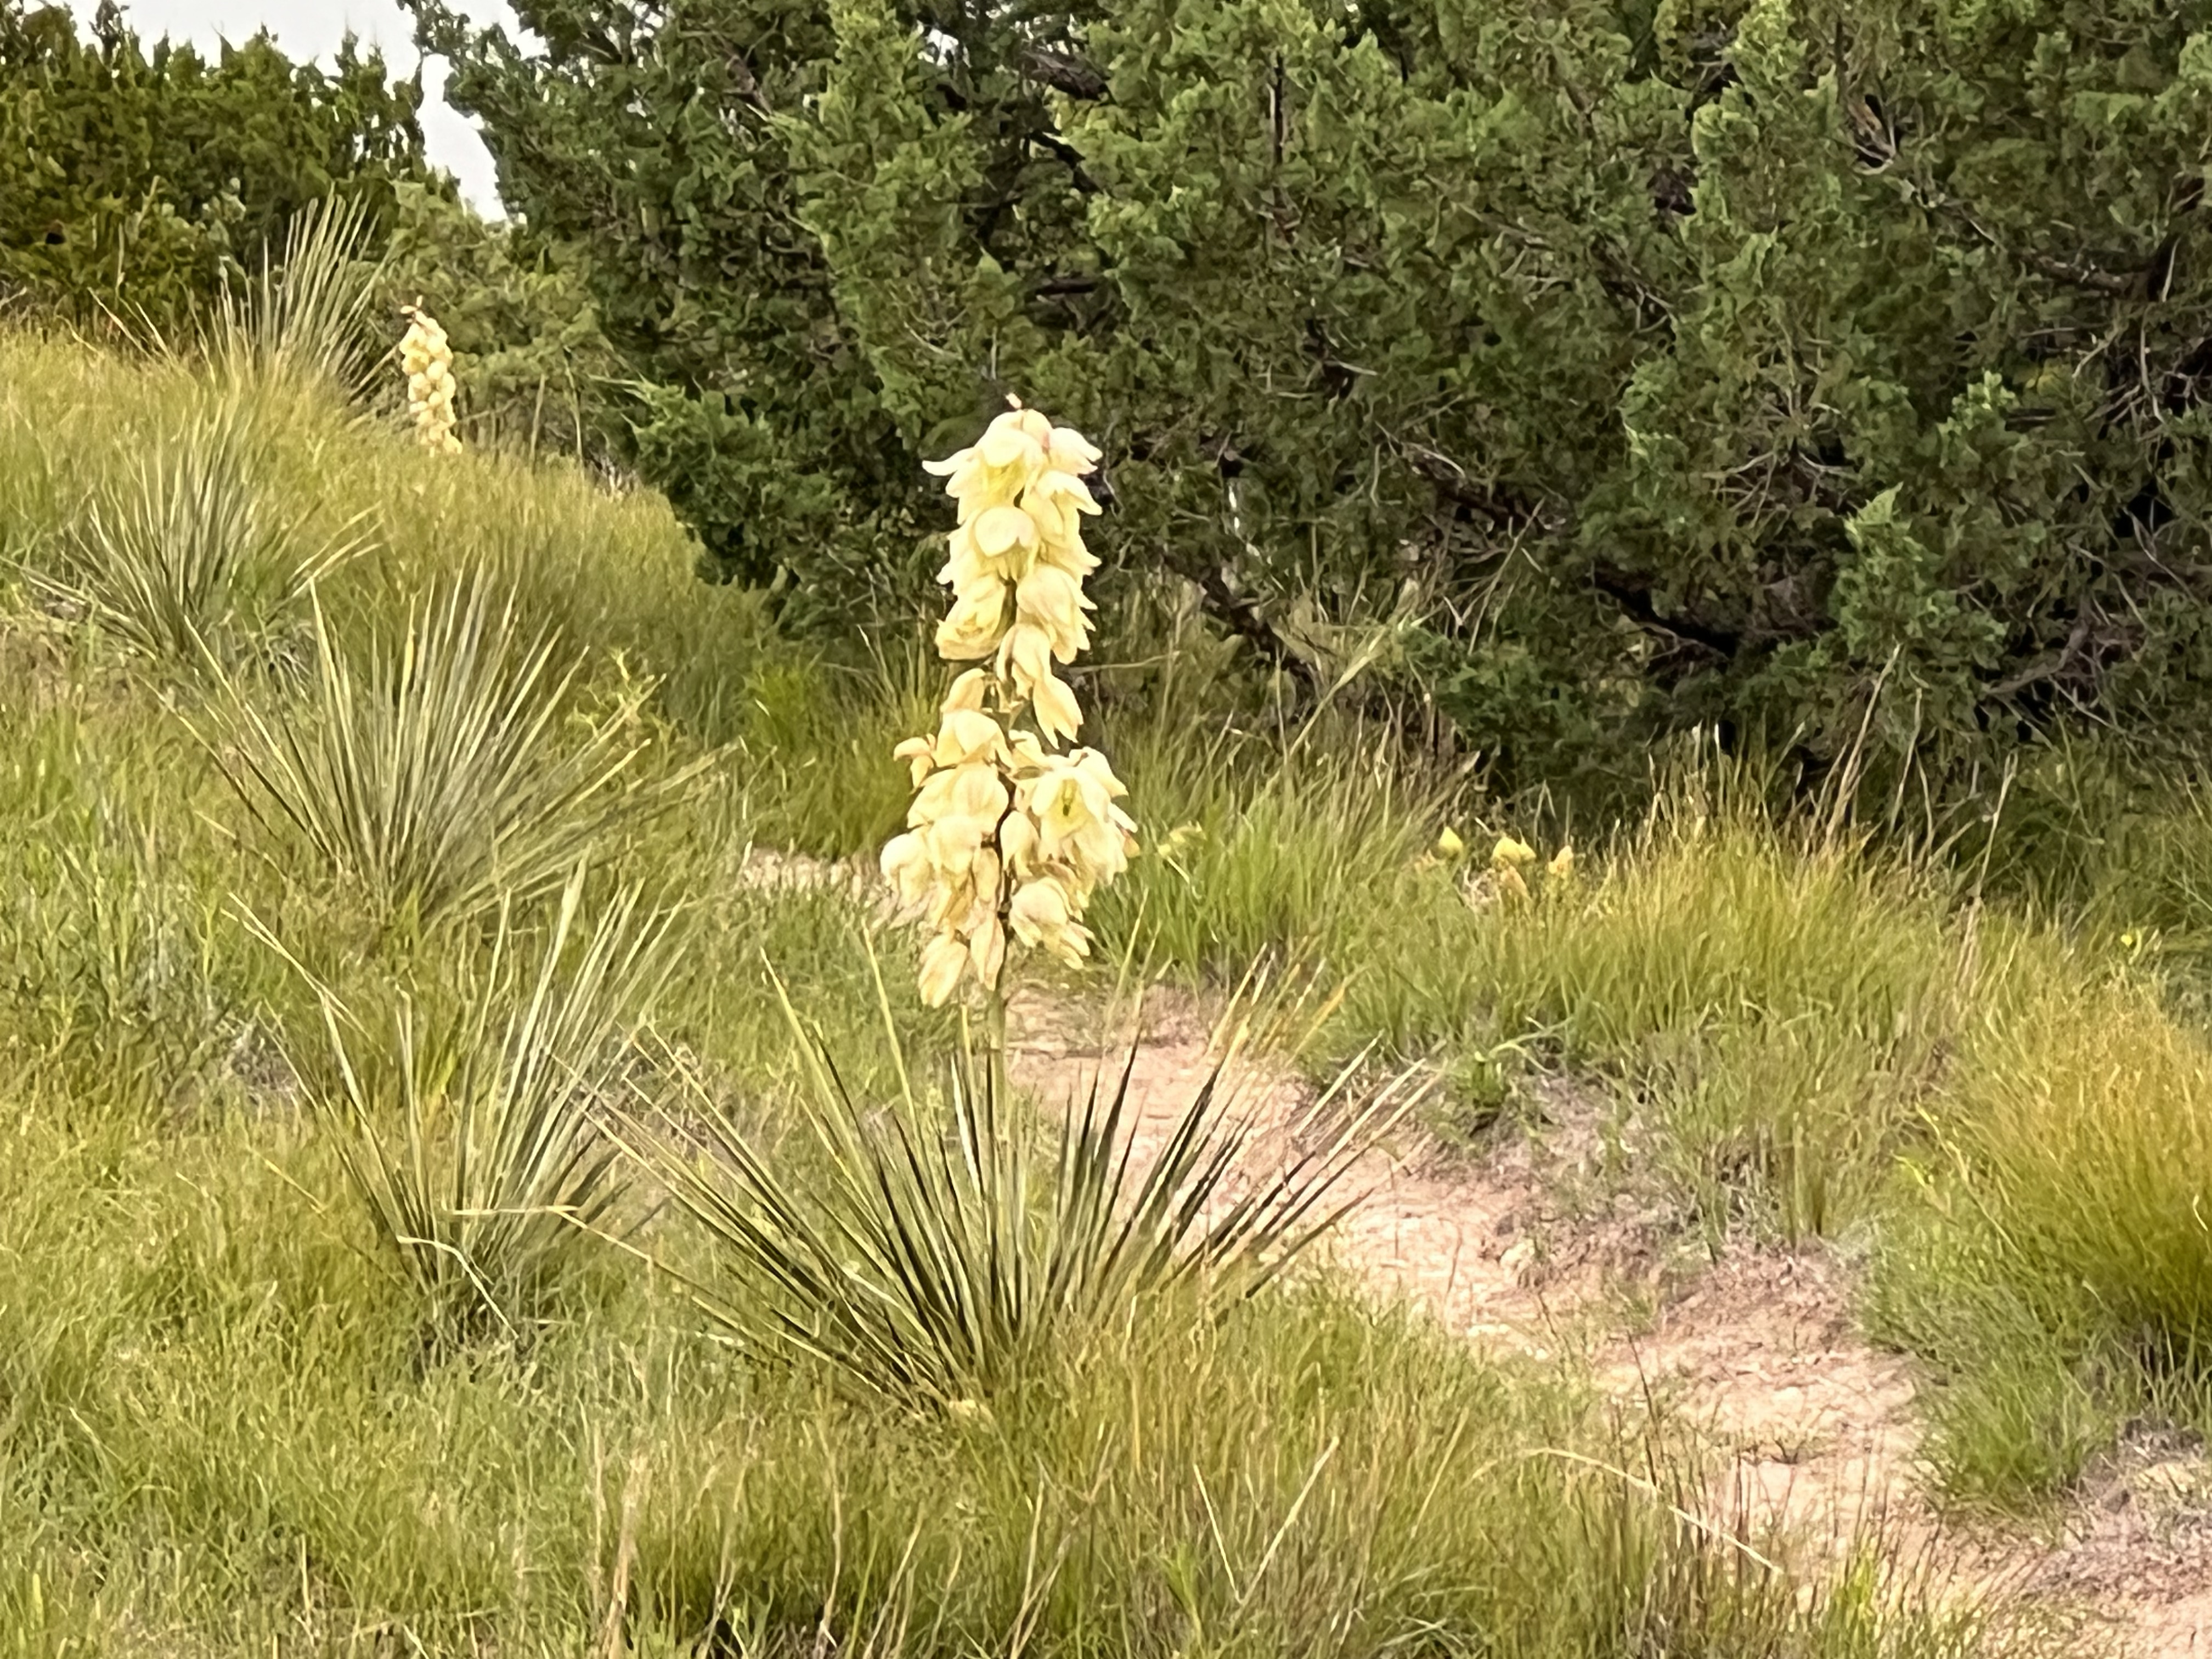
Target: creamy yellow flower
944, 960
1002, 464
1050, 598
1510, 854
1448, 845
906, 864
987, 950
972, 791
966, 692
966, 736
1067, 450
1059, 716
919, 755
1055, 504
1078, 823
1025, 656
1562, 866
975, 627
1004, 833
1017, 841
1005, 533
426, 359
1043, 918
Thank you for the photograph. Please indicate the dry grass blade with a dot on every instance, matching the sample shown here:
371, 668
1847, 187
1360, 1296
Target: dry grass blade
435, 777
938, 1257
471, 1135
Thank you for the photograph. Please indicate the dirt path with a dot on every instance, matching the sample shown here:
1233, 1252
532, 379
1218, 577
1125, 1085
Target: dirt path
1517, 1244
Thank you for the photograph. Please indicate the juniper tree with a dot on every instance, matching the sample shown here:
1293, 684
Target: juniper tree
133, 178
1793, 365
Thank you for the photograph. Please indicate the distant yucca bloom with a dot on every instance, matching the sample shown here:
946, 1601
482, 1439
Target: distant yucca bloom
1006, 832
426, 359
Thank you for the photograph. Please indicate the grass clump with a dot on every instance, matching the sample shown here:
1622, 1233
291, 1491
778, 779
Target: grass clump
1774, 1003
2058, 1265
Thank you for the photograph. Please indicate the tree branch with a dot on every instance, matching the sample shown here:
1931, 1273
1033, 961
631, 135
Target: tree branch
1061, 71
1634, 597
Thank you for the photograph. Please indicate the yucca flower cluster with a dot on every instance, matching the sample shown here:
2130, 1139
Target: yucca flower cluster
1511, 856
1509, 860
426, 359
1009, 833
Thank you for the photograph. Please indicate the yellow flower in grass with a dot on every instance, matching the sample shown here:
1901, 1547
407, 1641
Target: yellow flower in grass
1008, 836
426, 357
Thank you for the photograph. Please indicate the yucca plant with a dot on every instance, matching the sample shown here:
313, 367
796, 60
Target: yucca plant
941, 1253
179, 557
436, 777
470, 1133
305, 311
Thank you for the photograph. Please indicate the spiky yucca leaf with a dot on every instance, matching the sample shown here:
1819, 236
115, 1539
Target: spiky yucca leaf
435, 777
305, 311
944, 1255
179, 558
469, 1131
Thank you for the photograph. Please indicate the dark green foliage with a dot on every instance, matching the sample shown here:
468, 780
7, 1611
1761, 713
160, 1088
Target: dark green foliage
1699, 363
531, 362
131, 181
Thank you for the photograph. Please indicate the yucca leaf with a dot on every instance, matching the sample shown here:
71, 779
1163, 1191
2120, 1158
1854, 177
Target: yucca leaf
471, 1132
179, 559
434, 776
927, 1263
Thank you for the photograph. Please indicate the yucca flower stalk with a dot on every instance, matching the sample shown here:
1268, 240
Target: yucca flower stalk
1010, 833
426, 359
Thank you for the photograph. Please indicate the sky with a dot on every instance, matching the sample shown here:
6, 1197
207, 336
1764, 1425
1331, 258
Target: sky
312, 28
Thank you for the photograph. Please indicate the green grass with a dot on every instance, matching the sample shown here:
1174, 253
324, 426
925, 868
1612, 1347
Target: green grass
221, 1430
219, 1435
1808, 1033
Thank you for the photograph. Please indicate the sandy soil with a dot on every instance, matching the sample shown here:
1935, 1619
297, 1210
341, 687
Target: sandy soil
1518, 1242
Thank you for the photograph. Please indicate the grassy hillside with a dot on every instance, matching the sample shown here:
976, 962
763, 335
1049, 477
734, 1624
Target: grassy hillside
239, 1412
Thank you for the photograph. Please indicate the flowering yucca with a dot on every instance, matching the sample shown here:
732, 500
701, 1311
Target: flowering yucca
426, 359
1007, 832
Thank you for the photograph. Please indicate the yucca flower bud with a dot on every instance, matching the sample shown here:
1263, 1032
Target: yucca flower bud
426, 359
1006, 836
